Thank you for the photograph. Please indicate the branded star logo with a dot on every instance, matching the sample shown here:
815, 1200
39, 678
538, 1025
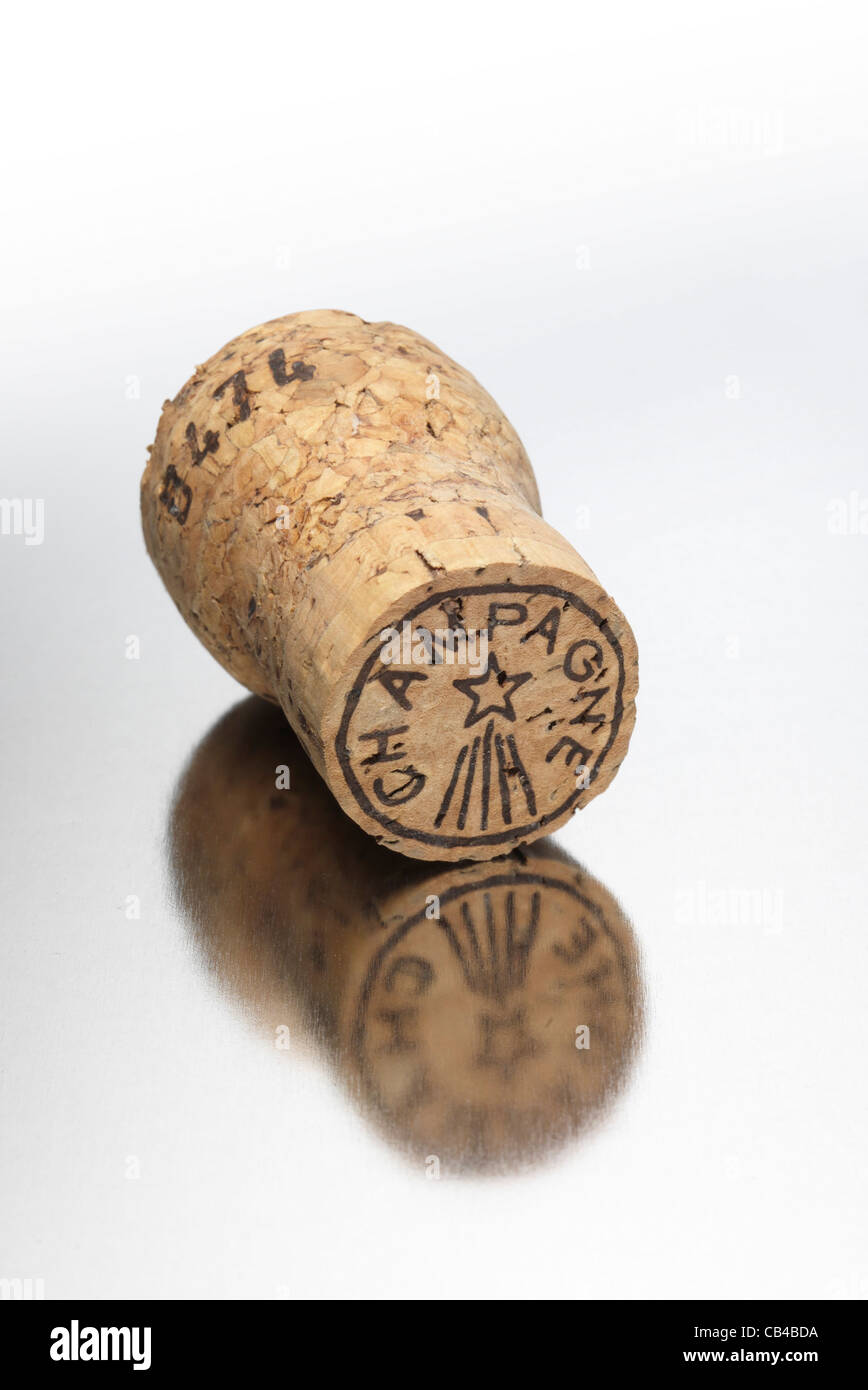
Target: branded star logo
495, 692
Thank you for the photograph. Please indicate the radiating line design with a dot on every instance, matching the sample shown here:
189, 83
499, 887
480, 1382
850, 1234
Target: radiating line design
494, 954
505, 807
526, 784
525, 942
450, 790
486, 772
508, 763
468, 784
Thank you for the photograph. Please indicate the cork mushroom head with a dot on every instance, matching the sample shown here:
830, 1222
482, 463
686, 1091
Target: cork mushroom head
352, 527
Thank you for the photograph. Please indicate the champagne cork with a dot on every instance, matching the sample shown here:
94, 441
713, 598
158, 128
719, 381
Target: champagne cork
352, 527
480, 1015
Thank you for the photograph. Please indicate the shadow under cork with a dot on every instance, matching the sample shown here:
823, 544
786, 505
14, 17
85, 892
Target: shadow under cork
482, 1015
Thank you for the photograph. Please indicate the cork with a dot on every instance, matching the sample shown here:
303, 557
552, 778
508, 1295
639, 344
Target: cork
352, 527
483, 1015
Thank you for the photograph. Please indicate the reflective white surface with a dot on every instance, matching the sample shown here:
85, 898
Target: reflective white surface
646, 238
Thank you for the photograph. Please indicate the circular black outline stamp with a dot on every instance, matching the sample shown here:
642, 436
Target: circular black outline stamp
457, 841
546, 882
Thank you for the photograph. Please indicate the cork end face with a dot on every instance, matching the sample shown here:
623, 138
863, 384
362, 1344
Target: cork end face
482, 713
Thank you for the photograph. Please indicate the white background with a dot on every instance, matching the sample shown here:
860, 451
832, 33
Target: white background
643, 227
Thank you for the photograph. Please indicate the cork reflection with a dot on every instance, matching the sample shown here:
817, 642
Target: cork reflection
480, 1014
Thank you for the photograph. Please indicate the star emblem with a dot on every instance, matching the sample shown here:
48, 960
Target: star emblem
495, 692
